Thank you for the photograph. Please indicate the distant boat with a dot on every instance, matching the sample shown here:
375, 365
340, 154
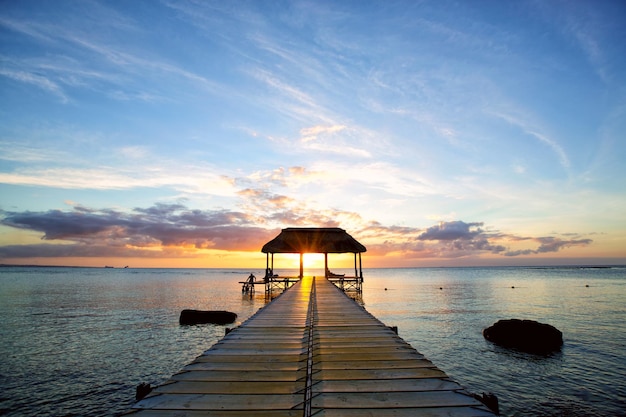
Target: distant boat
107, 266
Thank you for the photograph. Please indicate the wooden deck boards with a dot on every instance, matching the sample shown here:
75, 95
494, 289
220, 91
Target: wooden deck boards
310, 352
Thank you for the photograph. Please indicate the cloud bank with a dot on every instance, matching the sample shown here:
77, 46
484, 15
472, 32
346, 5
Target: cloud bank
174, 230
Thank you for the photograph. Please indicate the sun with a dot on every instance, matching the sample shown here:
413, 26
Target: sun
311, 261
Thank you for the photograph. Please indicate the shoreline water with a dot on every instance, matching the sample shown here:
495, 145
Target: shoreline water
78, 338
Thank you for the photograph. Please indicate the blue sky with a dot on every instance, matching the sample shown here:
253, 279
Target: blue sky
188, 133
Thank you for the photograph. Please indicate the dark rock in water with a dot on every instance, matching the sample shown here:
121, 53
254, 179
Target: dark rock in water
200, 317
525, 335
142, 390
490, 400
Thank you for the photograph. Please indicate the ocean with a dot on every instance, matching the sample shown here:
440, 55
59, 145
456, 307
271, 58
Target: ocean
77, 341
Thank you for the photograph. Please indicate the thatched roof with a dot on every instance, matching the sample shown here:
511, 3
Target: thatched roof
313, 240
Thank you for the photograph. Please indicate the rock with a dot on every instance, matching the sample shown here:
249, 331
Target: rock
525, 335
142, 390
212, 316
490, 400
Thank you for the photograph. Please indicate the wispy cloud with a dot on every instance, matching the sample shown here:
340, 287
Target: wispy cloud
586, 27
125, 64
39, 32
378, 177
537, 133
337, 139
140, 66
203, 182
20, 152
39, 81
312, 133
549, 244
295, 102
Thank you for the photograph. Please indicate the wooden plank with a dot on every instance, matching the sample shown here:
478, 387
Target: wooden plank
250, 355
256, 344
367, 356
247, 376
245, 366
222, 402
405, 412
375, 364
392, 347
249, 352
343, 374
217, 413
231, 387
362, 343
388, 385
371, 400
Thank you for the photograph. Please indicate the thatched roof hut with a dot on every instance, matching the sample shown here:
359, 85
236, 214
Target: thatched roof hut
315, 240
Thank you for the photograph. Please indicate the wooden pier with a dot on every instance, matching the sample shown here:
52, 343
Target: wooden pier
312, 351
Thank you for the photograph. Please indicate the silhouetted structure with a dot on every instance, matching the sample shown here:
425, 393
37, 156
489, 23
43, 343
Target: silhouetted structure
303, 240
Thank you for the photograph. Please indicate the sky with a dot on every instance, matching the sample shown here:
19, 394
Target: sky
189, 133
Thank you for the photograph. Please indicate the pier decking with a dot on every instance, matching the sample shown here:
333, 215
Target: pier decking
311, 352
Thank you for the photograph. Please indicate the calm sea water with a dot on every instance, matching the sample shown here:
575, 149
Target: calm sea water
77, 341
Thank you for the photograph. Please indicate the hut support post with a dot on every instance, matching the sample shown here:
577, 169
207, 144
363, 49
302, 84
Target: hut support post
301, 265
360, 279
326, 265
360, 268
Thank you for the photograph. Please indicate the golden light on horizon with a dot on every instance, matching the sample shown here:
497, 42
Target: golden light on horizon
292, 261
313, 261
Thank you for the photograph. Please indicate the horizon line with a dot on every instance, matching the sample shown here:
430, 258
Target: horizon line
572, 266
